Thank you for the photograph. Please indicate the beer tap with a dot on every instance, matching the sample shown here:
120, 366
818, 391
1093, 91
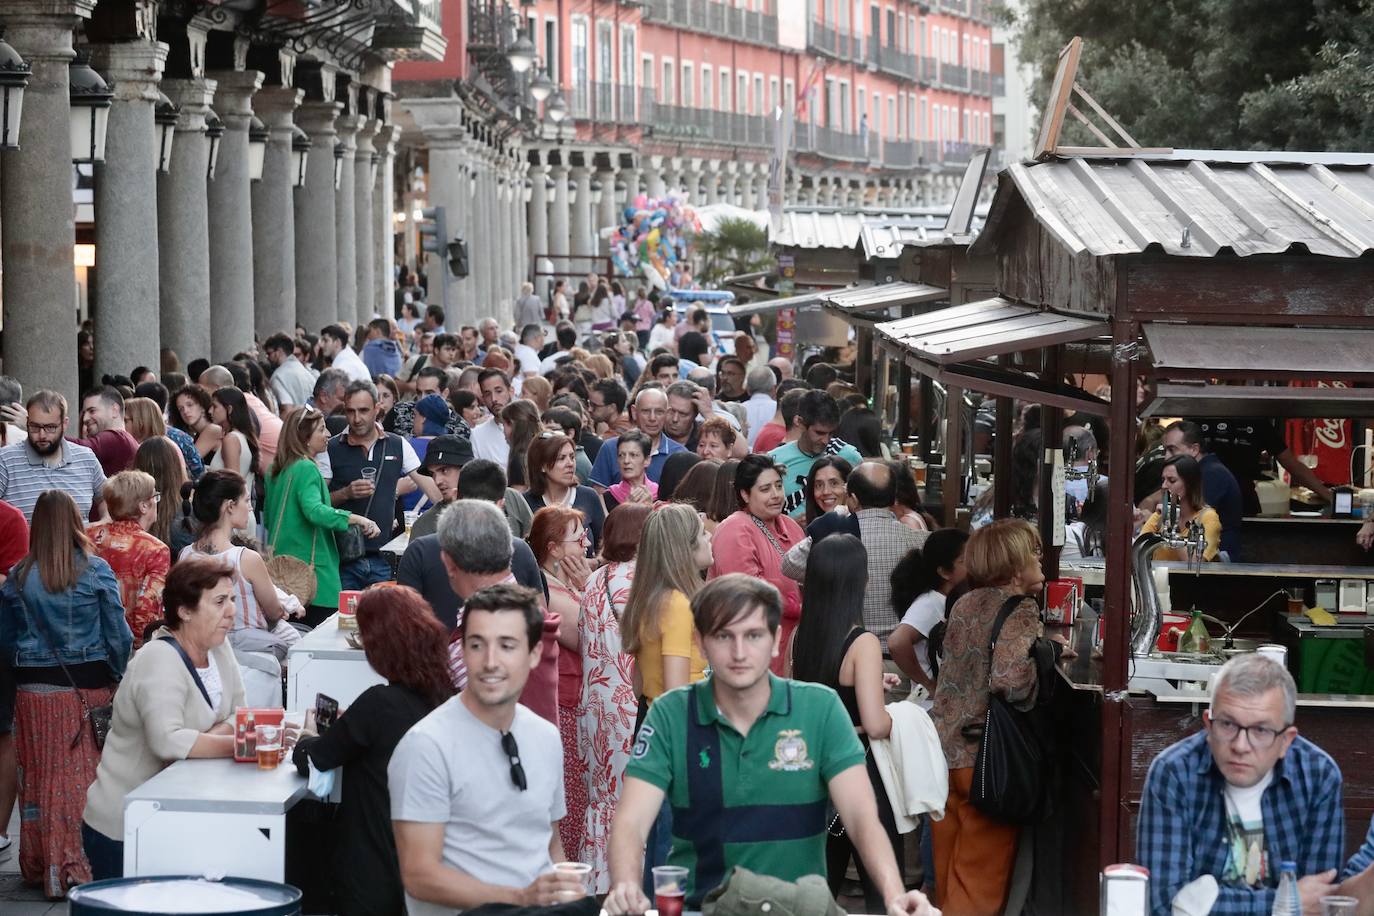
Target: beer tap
1188, 538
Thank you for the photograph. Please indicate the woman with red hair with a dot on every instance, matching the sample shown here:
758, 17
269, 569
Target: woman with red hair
406, 644
559, 540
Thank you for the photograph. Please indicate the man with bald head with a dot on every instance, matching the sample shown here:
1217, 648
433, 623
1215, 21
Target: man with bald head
872, 492
649, 412
783, 365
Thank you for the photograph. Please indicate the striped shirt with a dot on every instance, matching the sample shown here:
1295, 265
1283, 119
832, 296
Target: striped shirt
24, 476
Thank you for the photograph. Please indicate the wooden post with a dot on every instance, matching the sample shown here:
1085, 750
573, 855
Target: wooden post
927, 419
954, 454
1051, 427
1001, 459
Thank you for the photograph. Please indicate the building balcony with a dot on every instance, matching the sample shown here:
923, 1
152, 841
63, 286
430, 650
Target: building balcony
706, 126
980, 82
713, 18
929, 71
896, 62
953, 76
833, 42
955, 153
831, 143
999, 85
414, 31
611, 103
957, 7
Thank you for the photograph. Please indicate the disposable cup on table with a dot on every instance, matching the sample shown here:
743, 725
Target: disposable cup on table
269, 746
579, 871
670, 889
1339, 906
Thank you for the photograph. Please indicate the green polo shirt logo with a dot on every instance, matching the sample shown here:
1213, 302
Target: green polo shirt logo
789, 754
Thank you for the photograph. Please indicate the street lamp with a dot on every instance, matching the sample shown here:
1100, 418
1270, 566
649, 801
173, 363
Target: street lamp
90, 110
521, 54
541, 87
529, 190
14, 76
374, 167
300, 153
556, 109
596, 193
572, 192
550, 189
214, 132
339, 153
165, 116
258, 135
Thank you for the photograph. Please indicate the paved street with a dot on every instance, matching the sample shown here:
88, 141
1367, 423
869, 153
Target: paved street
15, 898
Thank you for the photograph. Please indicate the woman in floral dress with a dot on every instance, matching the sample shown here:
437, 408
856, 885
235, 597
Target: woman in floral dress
606, 715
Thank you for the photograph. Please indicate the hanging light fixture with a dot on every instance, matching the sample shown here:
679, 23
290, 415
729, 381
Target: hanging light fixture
14, 77
550, 189
541, 87
300, 153
596, 193
521, 54
529, 190
572, 192
214, 132
472, 182
258, 136
556, 109
165, 115
90, 110
339, 154
375, 168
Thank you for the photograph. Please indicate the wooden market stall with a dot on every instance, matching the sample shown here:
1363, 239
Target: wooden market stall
1211, 278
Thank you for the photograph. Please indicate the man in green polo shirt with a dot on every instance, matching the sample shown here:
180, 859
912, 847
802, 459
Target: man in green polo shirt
747, 761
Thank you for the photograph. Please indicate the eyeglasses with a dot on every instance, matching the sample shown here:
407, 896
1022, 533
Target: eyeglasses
512, 750
44, 428
1259, 736
582, 538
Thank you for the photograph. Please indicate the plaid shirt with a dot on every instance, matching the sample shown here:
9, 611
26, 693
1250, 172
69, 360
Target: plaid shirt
1182, 832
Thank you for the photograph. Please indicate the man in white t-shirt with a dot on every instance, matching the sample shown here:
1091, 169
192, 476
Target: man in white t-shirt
527, 350
489, 437
477, 785
334, 344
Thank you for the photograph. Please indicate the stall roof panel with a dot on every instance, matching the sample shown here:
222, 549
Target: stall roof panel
993, 327
764, 306
835, 227
1208, 351
883, 296
1213, 203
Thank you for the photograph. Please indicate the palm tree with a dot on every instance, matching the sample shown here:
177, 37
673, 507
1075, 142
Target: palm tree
735, 246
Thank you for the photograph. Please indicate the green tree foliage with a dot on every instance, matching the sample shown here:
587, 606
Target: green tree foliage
735, 246
1215, 74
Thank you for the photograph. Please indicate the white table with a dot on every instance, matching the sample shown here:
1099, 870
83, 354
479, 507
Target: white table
397, 545
201, 817
323, 662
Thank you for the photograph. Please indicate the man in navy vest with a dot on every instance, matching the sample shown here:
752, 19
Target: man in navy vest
366, 470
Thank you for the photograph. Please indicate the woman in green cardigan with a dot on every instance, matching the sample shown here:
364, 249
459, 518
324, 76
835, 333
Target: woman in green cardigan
300, 520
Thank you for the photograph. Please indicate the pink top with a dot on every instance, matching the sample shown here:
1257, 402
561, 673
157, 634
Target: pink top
740, 546
621, 491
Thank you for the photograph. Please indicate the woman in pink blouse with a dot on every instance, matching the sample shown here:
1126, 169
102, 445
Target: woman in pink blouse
754, 539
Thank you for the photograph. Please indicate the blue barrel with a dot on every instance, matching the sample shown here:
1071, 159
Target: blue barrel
184, 895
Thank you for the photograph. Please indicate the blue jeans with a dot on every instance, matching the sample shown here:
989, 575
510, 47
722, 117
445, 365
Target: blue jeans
361, 573
657, 846
105, 855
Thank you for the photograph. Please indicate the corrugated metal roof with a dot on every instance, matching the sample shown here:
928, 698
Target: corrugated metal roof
764, 306
992, 327
1318, 203
834, 227
881, 239
884, 296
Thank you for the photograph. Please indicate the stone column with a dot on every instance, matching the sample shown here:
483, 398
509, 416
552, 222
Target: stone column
482, 227
440, 121
126, 319
691, 180
607, 212
36, 201
713, 173
582, 217
730, 188
231, 225
653, 178
184, 225
317, 278
274, 216
364, 263
520, 266
539, 224
761, 190
345, 231
500, 306
559, 238
383, 233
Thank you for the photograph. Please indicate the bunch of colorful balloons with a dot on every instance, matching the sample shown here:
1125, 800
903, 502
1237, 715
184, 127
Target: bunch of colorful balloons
653, 237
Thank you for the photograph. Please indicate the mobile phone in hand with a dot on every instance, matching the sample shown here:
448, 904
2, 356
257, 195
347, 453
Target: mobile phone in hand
326, 712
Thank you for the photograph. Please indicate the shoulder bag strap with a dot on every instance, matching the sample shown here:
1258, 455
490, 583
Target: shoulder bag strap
1006, 610
276, 532
190, 666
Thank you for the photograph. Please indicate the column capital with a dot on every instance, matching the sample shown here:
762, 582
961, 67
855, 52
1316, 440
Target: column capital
388, 135
276, 106
133, 67
317, 118
234, 91
194, 97
41, 30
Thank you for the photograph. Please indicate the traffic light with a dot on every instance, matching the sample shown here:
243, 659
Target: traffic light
433, 228
458, 258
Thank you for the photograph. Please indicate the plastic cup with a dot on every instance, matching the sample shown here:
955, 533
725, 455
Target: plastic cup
370, 475
670, 889
269, 747
1339, 906
292, 721
579, 871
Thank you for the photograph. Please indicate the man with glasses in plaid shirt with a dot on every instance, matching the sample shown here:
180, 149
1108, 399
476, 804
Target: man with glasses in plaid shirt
1242, 796
477, 785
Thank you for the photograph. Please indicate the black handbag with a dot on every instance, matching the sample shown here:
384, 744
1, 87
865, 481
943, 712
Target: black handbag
1010, 769
351, 542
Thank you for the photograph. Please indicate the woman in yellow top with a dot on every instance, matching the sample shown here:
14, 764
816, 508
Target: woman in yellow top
674, 552
1182, 480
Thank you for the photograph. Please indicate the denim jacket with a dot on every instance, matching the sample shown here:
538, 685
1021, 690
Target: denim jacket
85, 623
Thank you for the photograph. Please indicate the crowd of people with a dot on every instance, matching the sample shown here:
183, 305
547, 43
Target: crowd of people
656, 598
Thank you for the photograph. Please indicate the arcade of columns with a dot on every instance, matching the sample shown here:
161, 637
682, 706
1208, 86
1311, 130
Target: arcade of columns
195, 262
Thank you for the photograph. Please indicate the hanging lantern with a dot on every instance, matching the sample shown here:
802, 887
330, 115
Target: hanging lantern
258, 135
556, 109
529, 190
14, 76
596, 193
214, 132
375, 166
90, 110
541, 87
339, 153
521, 54
572, 192
165, 116
300, 154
